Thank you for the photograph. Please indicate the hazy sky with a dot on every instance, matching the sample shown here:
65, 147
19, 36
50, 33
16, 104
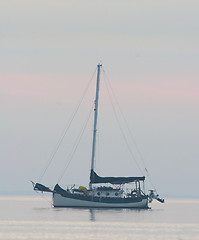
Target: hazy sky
150, 52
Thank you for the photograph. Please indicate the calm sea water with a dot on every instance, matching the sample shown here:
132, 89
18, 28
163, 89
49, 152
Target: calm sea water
34, 218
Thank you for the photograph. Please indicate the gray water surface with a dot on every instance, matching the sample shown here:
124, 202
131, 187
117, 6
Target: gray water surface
34, 218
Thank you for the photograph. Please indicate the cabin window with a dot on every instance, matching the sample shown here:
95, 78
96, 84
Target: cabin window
107, 194
116, 194
98, 193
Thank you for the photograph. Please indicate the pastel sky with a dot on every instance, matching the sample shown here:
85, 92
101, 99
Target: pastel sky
150, 54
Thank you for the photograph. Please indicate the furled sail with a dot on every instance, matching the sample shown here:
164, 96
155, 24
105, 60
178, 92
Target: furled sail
94, 178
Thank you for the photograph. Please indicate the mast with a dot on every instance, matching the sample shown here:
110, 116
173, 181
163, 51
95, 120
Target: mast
95, 116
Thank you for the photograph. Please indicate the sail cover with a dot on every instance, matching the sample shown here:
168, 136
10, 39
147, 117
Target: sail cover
94, 178
42, 188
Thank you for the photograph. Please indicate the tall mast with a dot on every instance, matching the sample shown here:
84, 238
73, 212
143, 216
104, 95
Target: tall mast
95, 115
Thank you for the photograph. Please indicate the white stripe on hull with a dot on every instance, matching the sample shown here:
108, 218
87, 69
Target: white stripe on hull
59, 201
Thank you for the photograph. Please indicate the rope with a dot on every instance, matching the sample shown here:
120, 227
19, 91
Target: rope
66, 128
75, 146
121, 129
42, 196
131, 135
98, 162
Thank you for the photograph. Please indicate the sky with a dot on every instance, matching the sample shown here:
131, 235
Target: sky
150, 55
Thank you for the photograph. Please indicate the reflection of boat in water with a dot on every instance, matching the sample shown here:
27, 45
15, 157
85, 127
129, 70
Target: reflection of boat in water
104, 192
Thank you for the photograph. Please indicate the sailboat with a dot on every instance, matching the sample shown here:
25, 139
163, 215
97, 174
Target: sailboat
103, 192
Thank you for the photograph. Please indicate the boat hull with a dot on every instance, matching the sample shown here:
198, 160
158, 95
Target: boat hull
63, 201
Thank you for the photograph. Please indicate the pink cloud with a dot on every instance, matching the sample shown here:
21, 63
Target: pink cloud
68, 90
167, 91
39, 88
